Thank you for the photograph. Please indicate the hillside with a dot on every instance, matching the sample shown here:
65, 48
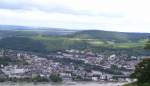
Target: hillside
22, 43
96, 40
118, 37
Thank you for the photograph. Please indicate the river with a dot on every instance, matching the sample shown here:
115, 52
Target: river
64, 84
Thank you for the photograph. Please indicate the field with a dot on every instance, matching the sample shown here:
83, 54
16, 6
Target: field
95, 40
66, 42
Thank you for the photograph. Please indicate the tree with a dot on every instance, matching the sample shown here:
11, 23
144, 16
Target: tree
55, 78
142, 71
38, 78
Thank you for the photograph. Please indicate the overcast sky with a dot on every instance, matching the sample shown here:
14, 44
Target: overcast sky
114, 15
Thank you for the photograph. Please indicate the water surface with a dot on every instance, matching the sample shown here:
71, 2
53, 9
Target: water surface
64, 84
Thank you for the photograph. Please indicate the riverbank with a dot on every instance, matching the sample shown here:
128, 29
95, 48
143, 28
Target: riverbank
61, 84
134, 84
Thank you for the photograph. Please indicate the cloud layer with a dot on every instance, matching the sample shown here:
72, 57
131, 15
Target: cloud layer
114, 15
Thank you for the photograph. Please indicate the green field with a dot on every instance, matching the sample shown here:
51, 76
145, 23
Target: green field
66, 42
97, 41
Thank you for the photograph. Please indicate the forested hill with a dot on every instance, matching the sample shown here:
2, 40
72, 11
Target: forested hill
111, 36
118, 37
50, 40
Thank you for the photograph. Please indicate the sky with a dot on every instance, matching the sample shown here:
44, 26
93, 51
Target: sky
111, 15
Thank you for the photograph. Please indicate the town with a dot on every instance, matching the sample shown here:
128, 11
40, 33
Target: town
67, 65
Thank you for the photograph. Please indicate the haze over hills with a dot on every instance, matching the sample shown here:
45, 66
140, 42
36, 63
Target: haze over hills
82, 34
46, 30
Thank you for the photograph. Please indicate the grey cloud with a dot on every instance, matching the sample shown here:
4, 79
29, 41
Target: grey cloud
22, 5
13, 5
9, 5
50, 8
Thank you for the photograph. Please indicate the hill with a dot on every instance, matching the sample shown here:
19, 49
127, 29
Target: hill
22, 43
96, 40
118, 37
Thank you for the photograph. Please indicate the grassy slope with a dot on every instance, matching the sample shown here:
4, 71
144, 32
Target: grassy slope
54, 43
94, 42
117, 37
59, 43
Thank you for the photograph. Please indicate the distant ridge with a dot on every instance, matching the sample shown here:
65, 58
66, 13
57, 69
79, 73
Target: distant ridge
110, 35
37, 29
16, 27
118, 37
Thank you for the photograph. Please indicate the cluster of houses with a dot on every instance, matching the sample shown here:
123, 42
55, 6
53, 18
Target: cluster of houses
121, 61
29, 65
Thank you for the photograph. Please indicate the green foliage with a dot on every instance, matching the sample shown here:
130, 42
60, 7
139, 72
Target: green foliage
77, 78
117, 37
142, 71
53, 43
38, 78
135, 84
3, 78
22, 43
55, 78
94, 40
131, 84
146, 84
147, 45
6, 61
